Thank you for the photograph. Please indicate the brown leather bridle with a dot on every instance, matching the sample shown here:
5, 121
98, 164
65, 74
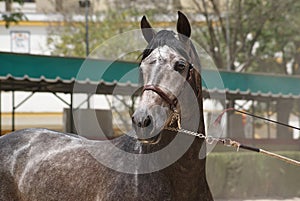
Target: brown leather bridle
171, 101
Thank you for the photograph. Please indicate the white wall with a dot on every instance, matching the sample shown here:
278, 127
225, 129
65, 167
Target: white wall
37, 40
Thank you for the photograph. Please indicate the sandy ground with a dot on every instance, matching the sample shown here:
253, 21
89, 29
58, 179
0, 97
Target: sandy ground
292, 199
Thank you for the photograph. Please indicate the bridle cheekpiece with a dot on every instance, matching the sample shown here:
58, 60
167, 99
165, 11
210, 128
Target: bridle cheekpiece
172, 102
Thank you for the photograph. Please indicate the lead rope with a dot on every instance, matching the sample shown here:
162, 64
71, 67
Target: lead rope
226, 141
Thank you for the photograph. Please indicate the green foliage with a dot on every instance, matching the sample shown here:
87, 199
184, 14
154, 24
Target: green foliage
279, 36
71, 40
263, 34
13, 17
245, 175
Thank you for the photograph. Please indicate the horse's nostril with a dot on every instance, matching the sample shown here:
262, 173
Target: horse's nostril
139, 124
147, 121
143, 123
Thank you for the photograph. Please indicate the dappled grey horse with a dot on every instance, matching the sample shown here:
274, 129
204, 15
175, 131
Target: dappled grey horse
44, 165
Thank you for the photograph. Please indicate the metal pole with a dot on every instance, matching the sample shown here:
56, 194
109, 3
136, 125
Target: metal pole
87, 27
228, 37
0, 110
13, 112
87, 39
86, 5
71, 114
253, 121
268, 116
229, 134
24, 100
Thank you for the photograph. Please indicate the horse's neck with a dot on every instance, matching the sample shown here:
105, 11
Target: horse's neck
191, 104
192, 118
187, 174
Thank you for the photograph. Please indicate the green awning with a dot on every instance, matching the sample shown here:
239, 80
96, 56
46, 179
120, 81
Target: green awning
26, 72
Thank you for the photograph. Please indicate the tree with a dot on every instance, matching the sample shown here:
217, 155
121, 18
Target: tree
69, 40
240, 37
278, 50
12, 17
253, 36
279, 45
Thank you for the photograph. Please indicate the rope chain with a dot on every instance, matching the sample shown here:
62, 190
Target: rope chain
209, 139
225, 141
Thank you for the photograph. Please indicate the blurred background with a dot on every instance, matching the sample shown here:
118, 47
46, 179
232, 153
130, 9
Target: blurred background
255, 45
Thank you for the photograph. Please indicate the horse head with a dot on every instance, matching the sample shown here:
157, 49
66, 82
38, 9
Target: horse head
166, 70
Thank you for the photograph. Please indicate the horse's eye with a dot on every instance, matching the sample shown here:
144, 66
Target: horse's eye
180, 65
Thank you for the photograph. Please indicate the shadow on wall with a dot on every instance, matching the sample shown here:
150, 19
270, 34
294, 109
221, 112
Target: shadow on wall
90, 123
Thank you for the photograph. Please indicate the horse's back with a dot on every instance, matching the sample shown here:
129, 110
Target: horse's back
44, 165
37, 163
8, 146
23, 144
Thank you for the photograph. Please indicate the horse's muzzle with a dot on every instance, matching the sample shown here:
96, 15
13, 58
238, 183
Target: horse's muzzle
145, 126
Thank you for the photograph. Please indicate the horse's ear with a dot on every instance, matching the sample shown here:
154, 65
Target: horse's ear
183, 27
147, 30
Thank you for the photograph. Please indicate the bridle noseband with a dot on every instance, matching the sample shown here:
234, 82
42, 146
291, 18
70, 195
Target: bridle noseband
171, 101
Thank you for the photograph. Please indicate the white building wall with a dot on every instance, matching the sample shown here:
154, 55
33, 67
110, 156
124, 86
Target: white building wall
37, 39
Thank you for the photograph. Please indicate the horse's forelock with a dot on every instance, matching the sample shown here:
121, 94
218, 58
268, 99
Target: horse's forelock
167, 38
